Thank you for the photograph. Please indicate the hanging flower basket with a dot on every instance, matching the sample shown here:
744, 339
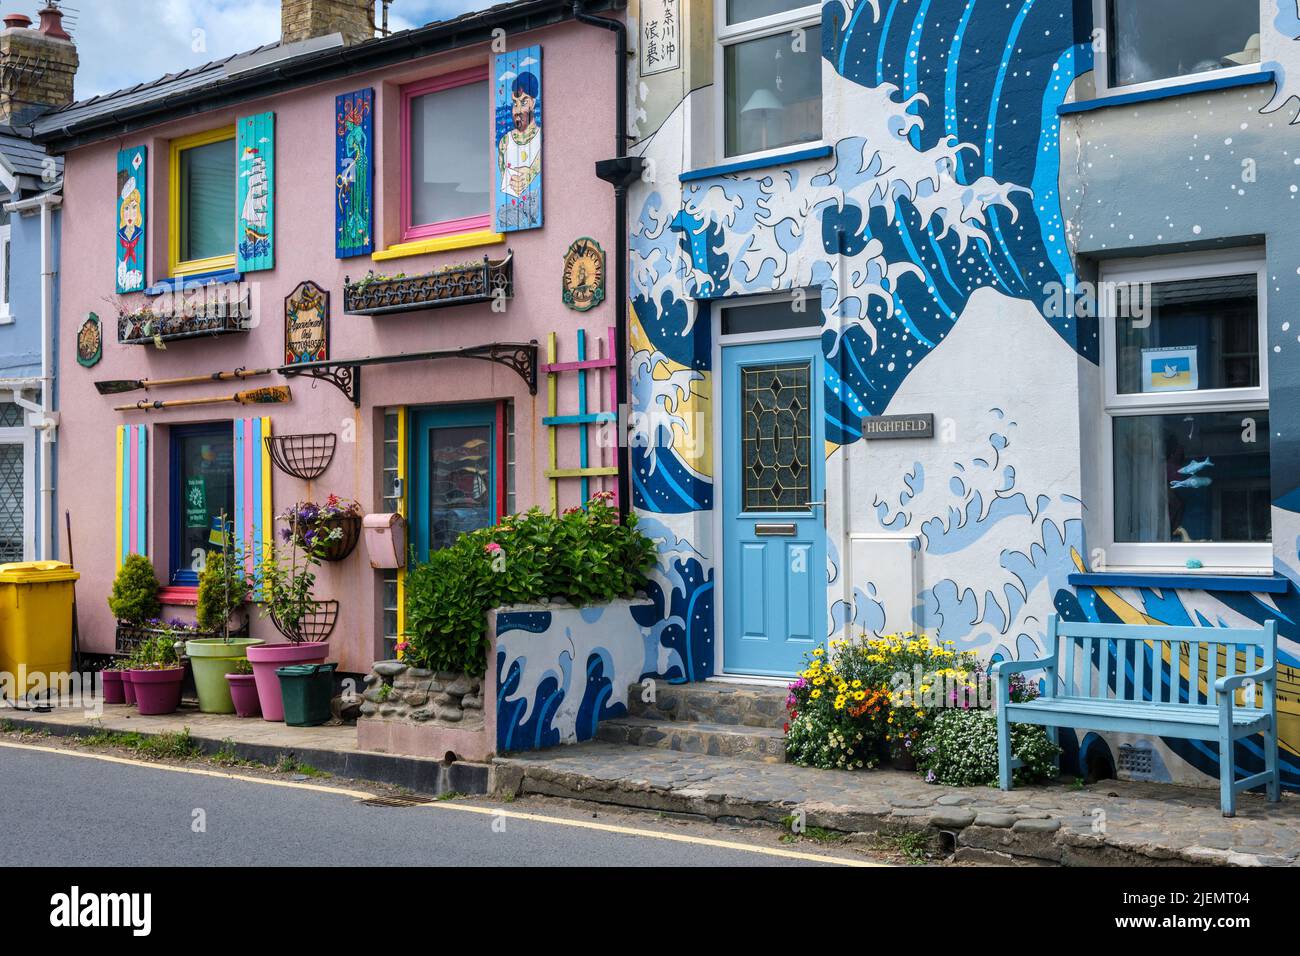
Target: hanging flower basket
334, 527
345, 542
314, 626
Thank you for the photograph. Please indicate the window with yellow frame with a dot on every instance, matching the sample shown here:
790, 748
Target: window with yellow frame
202, 207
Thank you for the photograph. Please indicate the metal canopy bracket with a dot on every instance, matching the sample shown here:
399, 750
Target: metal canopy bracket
345, 374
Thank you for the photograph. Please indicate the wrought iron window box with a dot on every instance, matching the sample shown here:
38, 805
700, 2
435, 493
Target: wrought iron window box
145, 328
457, 285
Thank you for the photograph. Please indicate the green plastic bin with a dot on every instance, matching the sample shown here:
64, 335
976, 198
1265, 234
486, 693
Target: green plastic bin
307, 690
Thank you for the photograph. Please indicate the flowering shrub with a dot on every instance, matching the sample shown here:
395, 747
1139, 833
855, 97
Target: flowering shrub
585, 556
960, 749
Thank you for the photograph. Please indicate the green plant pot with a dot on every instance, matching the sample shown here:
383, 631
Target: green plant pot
212, 659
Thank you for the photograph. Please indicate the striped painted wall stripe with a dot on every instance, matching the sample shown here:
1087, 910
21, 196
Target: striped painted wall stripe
254, 522
131, 524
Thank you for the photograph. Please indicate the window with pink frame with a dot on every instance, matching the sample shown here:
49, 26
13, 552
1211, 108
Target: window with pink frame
447, 155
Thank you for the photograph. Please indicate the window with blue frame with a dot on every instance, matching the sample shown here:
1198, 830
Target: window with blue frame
455, 464
202, 500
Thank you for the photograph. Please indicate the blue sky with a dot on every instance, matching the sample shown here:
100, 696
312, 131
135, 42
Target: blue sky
125, 42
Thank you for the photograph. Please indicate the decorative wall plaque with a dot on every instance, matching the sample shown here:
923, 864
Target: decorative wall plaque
90, 342
584, 275
898, 426
306, 324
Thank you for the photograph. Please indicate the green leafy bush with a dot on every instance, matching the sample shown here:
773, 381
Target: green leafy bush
584, 557
134, 599
960, 749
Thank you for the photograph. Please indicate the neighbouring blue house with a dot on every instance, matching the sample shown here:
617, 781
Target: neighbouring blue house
39, 64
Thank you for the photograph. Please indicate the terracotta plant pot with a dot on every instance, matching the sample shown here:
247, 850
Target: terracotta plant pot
158, 692
243, 694
266, 658
114, 691
128, 689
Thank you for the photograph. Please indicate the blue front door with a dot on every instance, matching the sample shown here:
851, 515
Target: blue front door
773, 511
455, 474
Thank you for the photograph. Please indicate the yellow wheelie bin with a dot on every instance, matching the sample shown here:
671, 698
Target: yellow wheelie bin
35, 623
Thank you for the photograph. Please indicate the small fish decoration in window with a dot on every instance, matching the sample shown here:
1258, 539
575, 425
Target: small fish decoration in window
1195, 467
1197, 482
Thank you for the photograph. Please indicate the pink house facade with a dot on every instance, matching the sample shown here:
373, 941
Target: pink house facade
284, 178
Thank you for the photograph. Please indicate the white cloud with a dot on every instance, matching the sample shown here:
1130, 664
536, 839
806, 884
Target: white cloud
125, 42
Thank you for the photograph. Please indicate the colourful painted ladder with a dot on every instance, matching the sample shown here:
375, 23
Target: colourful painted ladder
583, 420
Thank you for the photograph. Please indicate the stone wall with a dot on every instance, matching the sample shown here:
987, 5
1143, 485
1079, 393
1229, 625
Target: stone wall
305, 19
395, 691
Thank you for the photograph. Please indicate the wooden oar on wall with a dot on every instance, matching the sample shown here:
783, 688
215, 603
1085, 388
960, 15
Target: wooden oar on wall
118, 386
274, 395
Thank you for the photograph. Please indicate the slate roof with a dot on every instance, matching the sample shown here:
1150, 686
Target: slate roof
25, 158
212, 86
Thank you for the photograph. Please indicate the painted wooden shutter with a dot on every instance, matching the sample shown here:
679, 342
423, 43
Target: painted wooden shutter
354, 178
132, 223
254, 522
132, 487
255, 191
517, 209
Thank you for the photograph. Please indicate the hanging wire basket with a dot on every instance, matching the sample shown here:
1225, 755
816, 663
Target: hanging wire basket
338, 548
302, 456
314, 626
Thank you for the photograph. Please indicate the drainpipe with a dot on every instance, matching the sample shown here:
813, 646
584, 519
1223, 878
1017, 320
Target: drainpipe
620, 172
45, 203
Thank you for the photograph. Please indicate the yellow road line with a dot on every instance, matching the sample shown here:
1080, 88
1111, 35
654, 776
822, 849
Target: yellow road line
463, 808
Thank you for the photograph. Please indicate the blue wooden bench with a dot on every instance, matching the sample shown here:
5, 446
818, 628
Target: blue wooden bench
1168, 682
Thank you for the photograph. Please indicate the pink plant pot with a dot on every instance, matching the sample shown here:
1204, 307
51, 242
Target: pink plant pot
243, 691
266, 658
128, 689
158, 692
114, 689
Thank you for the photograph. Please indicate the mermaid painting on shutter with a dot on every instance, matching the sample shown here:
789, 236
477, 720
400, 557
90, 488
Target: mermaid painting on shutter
353, 183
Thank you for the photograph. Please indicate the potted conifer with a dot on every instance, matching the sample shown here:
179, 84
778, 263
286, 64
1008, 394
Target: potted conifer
223, 590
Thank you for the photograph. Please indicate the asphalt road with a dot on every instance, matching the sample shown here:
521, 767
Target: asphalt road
70, 810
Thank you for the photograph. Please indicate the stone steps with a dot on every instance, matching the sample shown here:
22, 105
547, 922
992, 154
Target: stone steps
746, 705
693, 737
740, 721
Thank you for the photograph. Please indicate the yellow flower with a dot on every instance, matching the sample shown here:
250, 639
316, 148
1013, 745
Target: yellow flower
815, 694
818, 652
857, 683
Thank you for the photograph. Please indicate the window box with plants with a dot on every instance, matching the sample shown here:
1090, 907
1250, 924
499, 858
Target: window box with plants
459, 284
147, 327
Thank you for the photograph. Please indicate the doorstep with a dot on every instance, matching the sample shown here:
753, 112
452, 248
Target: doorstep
1107, 823
331, 747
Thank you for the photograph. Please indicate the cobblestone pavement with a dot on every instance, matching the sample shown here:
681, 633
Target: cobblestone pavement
1108, 823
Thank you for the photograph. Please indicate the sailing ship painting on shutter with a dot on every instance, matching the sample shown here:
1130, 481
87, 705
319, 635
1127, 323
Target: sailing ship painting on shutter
131, 522
256, 198
254, 524
354, 174
132, 190
517, 133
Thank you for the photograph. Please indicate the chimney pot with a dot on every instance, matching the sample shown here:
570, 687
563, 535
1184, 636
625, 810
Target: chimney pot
52, 23
13, 20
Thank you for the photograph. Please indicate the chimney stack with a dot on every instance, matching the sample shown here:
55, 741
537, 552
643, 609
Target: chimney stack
308, 19
38, 66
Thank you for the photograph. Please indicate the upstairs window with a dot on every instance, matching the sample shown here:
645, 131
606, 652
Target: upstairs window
203, 213
1154, 41
446, 155
770, 61
1186, 427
